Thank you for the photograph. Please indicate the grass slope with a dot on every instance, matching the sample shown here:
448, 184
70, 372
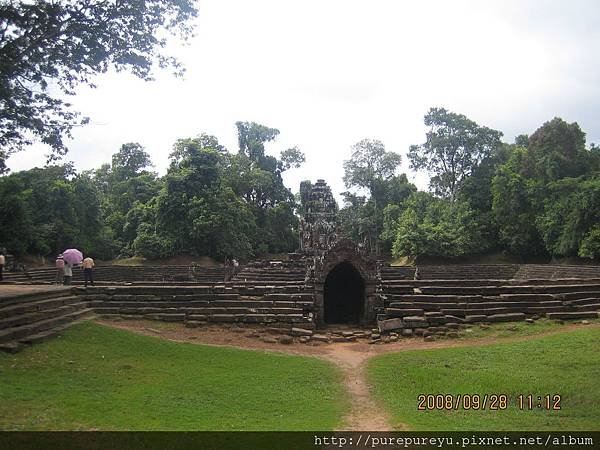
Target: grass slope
567, 364
95, 377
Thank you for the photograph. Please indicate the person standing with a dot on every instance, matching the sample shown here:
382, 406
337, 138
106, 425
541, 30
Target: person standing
88, 265
227, 265
60, 269
236, 266
2, 262
68, 273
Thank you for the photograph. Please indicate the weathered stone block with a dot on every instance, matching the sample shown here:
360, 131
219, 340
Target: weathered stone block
390, 324
301, 332
476, 318
511, 317
394, 312
222, 318
573, 315
286, 340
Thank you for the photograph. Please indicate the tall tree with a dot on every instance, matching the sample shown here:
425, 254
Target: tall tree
49, 47
373, 169
454, 146
369, 165
556, 150
514, 207
125, 185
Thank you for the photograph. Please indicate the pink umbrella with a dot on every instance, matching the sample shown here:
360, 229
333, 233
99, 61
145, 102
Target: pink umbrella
73, 256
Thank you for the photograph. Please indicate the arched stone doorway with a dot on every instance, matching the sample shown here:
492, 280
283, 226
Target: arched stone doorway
343, 295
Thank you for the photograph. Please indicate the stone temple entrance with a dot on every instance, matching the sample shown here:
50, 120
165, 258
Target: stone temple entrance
343, 295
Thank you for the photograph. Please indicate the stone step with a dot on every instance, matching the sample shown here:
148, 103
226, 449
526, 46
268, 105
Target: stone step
44, 335
438, 298
572, 315
36, 305
589, 307
583, 301
497, 290
16, 333
36, 316
580, 295
397, 312
403, 305
34, 296
508, 317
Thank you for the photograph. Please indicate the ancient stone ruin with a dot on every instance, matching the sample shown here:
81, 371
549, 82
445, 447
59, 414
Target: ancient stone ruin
331, 282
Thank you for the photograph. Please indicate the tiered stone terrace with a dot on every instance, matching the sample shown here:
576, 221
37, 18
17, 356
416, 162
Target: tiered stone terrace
275, 294
33, 314
445, 297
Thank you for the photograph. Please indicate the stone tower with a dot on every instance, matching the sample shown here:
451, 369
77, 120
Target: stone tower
318, 227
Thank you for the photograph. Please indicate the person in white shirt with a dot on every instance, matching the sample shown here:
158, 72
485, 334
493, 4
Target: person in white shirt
88, 264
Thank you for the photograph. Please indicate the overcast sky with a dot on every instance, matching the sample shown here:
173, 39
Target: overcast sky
329, 73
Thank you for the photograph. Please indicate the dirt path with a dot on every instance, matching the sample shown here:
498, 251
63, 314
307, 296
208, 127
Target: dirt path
350, 357
364, 414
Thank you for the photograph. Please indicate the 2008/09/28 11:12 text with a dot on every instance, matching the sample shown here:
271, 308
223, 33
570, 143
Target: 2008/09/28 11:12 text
492, 402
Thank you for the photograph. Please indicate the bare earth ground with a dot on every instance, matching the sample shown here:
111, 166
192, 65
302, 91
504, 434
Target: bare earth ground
350, 357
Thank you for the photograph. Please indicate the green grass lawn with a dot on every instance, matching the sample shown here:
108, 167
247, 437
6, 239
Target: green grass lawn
567, 364
515, 329
96, 377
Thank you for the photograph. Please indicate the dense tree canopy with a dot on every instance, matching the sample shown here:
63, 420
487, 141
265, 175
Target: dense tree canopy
536, 198
455, 145
435, 227
49, 47
210, 202
539, 197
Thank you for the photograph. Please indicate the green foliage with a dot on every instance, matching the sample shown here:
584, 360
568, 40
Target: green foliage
571, 213
556, 150
16, 228
590, 244
256, 178
431, 226
353, 217
214, 203
125, 186
540, 198
370, 163
282, 226
48, 210
455, 145
149, 244
545, 196
50, 47
292, 158
252, 138
514, 208
373, 169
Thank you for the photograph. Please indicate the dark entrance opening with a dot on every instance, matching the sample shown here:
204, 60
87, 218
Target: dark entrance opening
343, 294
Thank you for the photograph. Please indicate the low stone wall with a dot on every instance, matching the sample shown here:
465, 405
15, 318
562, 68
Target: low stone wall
203, 304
